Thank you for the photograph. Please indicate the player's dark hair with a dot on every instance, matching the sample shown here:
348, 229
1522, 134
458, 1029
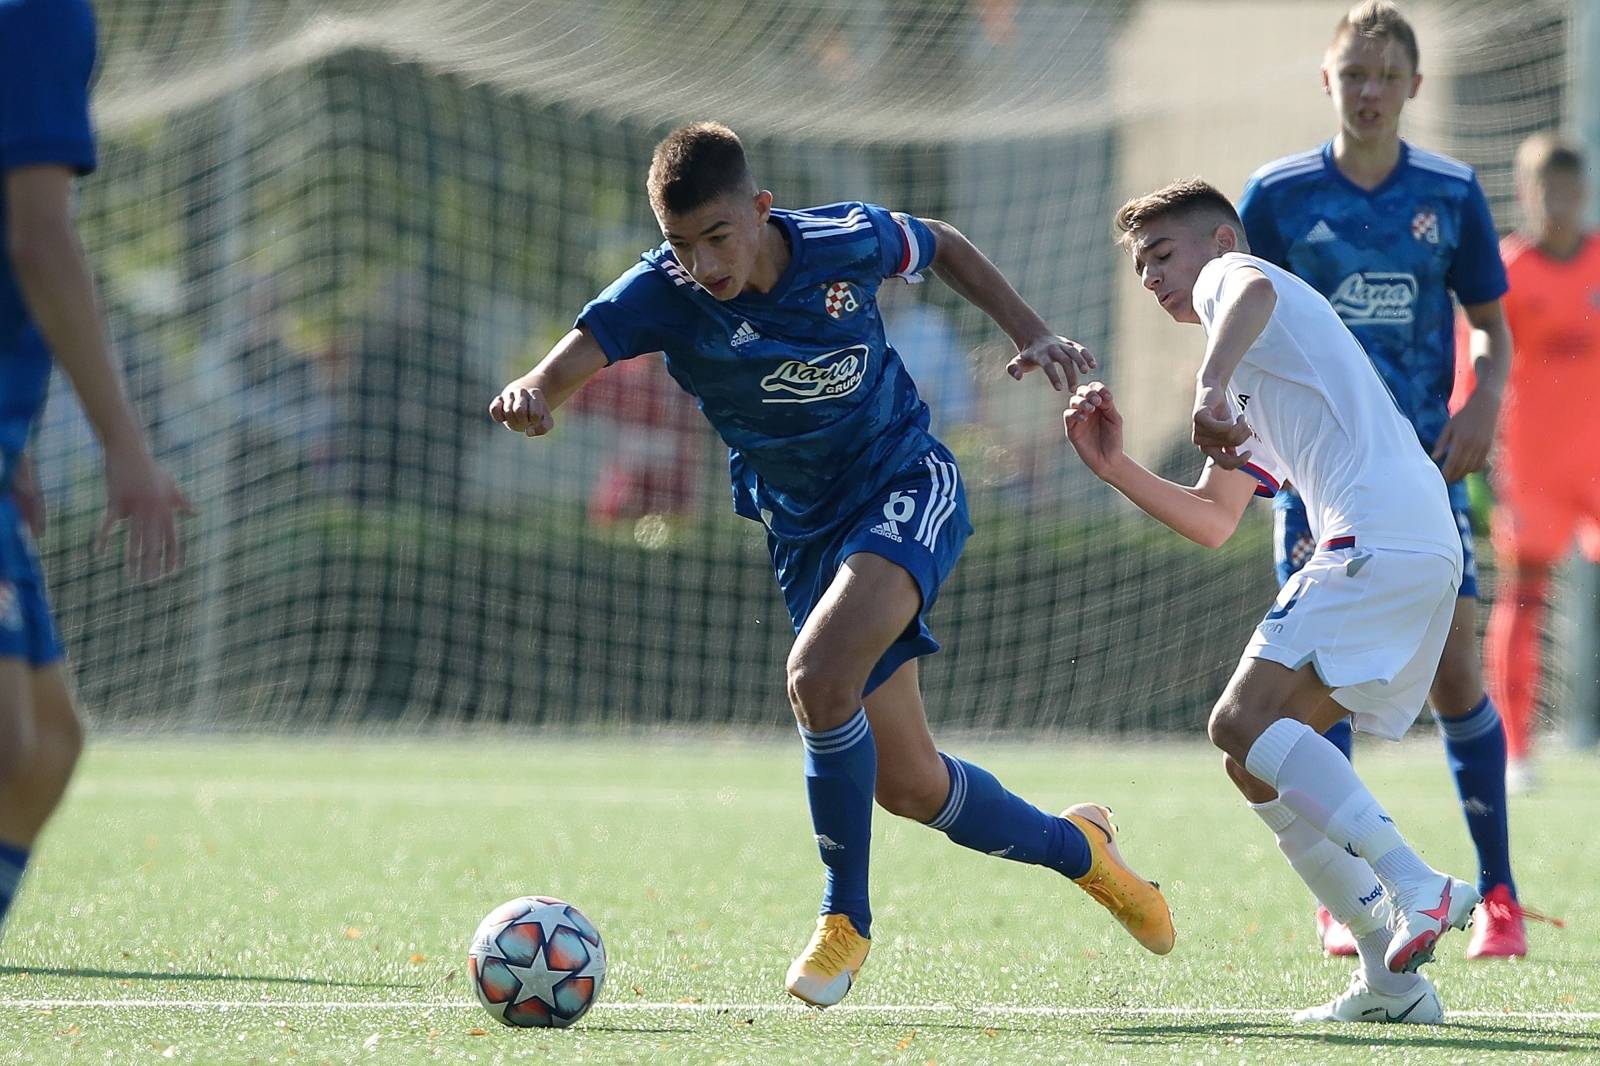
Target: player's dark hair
1547, 153
1186, 197
1379, 20
696, 164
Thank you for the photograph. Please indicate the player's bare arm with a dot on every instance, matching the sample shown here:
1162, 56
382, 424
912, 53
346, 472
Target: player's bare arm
1246, 305
960, 264
60, 293
527, 404
1207, 512
1463, 444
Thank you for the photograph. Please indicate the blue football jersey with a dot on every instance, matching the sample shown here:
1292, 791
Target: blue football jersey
816, 408
1386, 258
47, 54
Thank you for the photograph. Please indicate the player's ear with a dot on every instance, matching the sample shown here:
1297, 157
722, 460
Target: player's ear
1226, 238
763, 202
1416, 84
1327, 80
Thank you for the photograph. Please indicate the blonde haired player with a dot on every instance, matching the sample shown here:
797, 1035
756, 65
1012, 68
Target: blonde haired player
1285, 393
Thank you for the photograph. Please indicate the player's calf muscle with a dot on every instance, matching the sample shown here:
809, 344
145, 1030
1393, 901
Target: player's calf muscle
1458, 684
911, 787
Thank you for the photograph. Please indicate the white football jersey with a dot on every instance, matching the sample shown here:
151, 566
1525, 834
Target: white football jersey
1324, 421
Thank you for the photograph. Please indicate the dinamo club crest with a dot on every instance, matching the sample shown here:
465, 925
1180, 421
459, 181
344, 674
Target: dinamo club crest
841, 300
1425, 226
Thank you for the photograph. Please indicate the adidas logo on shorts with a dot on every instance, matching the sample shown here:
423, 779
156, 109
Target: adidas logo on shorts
887, 529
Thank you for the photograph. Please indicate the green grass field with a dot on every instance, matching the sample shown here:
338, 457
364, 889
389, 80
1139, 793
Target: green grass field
309, 901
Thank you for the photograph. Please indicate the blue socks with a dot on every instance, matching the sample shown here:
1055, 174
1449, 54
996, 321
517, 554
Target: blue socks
841, 767
1475, 747
980, 814
841, 771
13, 860
1341, 737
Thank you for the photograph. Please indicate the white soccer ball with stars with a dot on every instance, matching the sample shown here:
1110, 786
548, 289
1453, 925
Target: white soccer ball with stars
537, 962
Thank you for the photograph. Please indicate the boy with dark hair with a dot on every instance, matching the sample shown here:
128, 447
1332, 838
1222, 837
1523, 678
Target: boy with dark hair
769, 318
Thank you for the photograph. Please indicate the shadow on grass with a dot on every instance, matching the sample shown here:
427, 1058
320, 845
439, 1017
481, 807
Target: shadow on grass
1460, 1036
145, 975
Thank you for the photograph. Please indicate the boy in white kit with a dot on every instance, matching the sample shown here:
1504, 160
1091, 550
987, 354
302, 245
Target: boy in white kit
1286, 394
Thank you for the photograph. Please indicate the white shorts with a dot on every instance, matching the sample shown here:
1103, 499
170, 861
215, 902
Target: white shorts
1373, 622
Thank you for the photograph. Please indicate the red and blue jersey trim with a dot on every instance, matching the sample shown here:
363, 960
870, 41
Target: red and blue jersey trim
914, 258
1335, 543
1269, 484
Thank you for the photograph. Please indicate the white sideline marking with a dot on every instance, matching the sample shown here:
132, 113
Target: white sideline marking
440, 794
944, 1009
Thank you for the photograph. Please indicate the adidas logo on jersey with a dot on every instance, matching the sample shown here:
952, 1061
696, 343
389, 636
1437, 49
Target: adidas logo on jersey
744, 335
887, 529
1321, 233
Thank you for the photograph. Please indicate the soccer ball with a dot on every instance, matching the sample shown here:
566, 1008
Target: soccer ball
537, 962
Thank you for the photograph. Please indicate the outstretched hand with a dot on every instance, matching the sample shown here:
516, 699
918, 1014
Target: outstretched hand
1094, 427
1062, 360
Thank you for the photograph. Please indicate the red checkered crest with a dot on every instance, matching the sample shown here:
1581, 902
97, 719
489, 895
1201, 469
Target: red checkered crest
1425, 226
841, 300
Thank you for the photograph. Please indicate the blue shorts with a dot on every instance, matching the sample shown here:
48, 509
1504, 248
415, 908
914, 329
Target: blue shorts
26, 628
918, 522
1293, 544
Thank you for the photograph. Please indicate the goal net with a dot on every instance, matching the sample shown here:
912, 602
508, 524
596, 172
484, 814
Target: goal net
328, 232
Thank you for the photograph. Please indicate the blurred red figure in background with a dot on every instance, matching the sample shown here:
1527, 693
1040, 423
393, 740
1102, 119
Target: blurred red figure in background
653, 466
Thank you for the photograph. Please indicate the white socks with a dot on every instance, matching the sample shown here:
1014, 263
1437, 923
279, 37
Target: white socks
1319, 785
1341, 882
1371, 947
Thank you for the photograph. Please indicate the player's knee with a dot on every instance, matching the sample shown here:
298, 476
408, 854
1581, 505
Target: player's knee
1229, 728
820, 698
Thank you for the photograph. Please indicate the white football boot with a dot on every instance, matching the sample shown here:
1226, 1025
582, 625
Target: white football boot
1422, 914
1417, 1005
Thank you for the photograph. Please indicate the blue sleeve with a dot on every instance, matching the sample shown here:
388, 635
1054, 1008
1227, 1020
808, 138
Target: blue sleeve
626, 318
1261, 227
1477, 273
906, 246
47, 53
